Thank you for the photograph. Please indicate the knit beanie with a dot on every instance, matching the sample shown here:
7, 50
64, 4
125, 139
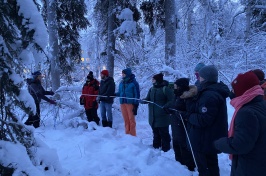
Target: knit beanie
105, 72
90, 75
158, 78
259, 73
127, 71
198, 67
183, 83
209, 73
243, 82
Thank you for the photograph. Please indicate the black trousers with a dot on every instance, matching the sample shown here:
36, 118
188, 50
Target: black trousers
92, 115
182, 152
34, 119
207, 164
161, 138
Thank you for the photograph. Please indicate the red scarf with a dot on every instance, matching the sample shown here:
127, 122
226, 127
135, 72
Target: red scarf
238, 102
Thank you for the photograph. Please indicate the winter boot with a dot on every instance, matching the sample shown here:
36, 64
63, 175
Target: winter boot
110, 124
104, 123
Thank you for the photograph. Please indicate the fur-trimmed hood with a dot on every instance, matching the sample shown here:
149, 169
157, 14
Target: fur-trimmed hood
193, 91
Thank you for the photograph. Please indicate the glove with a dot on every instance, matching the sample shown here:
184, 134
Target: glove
81, 101
52, 102
51, 93
135, 109
167, 110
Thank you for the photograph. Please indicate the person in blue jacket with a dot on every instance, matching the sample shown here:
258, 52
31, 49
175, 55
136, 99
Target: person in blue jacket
129, 88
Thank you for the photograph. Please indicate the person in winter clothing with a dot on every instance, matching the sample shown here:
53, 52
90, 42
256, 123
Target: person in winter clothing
182, 152
246, 140
88, 98
129, 88
206, 116
159, 119
38, 93
260, 74
106, 90
196, 72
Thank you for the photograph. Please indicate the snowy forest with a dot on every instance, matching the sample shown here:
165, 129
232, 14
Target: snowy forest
65, 39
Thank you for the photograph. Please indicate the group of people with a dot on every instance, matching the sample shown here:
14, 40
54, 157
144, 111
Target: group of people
196, 113
103, 94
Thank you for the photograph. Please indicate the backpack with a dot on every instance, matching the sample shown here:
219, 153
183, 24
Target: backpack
170, 85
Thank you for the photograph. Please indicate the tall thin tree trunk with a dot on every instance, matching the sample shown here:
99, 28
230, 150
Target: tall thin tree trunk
189, 20
170, 31
53, 43
248, 18
111, 38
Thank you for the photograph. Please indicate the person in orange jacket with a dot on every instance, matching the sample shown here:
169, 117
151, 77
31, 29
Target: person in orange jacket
88, 98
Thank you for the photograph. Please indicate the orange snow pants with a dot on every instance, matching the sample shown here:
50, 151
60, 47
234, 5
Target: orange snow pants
129, 119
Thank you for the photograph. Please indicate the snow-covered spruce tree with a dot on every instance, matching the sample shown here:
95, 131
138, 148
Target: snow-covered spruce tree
22, 31
107, 17
66, 19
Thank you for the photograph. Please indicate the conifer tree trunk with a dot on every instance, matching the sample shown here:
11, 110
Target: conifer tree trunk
111, 38
170, 32
248, 18
53, 43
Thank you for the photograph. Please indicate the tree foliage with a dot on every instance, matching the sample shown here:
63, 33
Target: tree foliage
15, 36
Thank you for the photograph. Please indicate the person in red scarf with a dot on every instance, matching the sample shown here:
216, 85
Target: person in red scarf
246, 141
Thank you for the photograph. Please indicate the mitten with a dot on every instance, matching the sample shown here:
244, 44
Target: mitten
81, 101
167, 110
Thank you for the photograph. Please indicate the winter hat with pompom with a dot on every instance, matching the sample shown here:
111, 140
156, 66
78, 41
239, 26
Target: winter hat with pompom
105, 72
90, 75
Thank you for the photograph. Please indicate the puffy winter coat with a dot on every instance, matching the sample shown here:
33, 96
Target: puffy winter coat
107, 88
90, 88
129, 88
207, 116
157, 116
249, 141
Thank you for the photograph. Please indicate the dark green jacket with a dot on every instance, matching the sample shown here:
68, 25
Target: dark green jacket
157, 116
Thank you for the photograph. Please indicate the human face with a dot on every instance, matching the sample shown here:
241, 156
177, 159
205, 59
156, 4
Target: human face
123, 75
102, 76
153, 81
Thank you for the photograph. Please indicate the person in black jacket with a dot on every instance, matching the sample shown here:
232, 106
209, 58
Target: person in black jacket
38, 93
182, 152
206, 116
106, 90
246, 141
